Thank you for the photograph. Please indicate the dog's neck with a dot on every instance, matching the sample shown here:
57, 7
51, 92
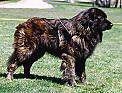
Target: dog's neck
86, 30
88, 40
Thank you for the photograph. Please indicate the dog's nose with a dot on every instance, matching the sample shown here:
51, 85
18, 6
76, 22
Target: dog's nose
111, 24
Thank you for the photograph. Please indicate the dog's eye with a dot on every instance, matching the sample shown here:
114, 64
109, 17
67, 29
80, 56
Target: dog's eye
102, 19
99, 17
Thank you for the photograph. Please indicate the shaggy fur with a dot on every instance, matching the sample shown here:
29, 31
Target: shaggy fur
73, 40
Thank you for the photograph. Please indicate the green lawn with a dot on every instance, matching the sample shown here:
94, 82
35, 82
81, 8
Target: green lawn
103, 68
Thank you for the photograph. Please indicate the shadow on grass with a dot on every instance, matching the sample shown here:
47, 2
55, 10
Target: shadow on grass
32, 76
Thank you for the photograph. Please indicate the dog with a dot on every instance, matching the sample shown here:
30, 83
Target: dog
73, 40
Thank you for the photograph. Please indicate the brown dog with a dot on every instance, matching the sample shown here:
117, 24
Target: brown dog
73, 40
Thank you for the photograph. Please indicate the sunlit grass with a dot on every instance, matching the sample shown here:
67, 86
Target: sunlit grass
103, 68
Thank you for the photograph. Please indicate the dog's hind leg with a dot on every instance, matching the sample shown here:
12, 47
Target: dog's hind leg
12, 65
34, 57
27, 67
25, 57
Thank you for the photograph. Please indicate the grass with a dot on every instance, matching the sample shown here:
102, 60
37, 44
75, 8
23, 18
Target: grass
103, 68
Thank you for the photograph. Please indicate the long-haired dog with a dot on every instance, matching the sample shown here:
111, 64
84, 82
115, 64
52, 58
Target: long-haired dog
73, 40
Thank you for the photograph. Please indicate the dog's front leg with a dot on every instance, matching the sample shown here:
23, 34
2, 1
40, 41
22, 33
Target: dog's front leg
80, 70
68, 67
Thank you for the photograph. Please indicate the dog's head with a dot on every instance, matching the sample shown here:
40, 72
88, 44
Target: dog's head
94, 18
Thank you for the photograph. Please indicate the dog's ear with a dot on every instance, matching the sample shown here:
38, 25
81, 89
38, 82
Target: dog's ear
86, 14
95, 12
83, 18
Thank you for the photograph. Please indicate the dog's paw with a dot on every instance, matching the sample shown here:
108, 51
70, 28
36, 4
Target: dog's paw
9, 76
71, 83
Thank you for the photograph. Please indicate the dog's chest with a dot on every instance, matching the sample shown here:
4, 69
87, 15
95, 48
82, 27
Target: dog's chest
84, 47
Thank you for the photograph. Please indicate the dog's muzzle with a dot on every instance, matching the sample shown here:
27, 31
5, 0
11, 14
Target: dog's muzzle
109, 26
